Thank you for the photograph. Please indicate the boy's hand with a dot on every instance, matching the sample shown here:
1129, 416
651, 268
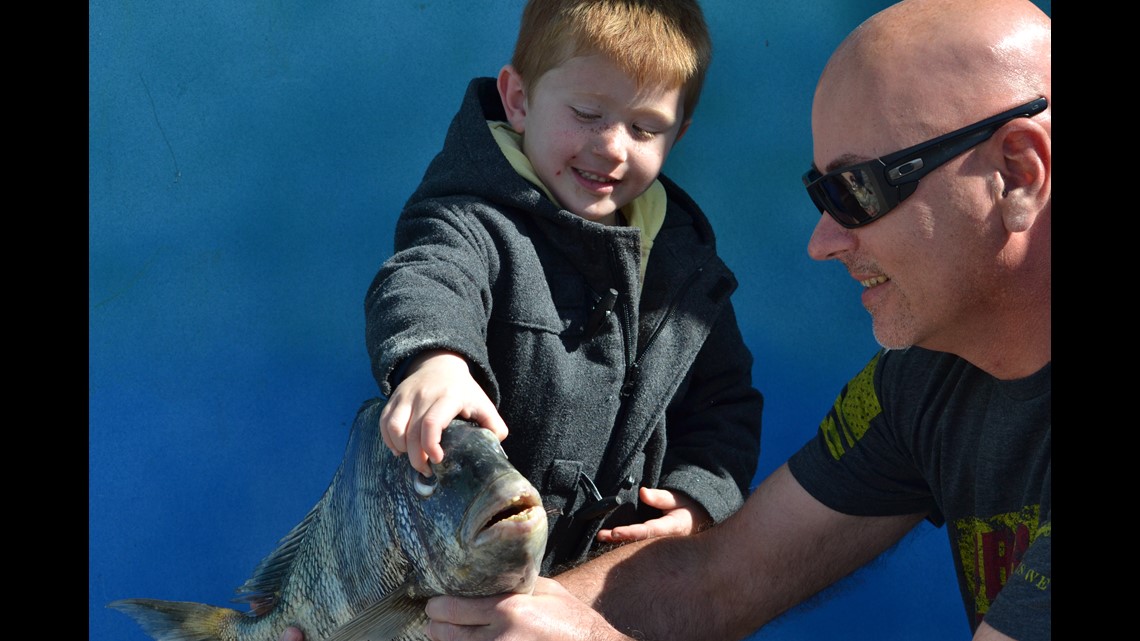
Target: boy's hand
437, 388
682, 516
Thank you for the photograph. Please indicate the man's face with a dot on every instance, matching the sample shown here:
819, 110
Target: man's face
595, 139
922, 266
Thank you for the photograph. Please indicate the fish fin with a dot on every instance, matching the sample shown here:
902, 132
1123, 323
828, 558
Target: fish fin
262, 590
178, 620
388, 618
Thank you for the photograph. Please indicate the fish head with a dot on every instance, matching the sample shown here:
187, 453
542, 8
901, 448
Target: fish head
480, 524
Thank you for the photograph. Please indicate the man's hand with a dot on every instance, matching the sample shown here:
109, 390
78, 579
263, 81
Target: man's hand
549, 614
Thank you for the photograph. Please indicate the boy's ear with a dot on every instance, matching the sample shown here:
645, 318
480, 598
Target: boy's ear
682, 130
513, 94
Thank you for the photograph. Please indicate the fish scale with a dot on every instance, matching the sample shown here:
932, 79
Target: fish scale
364, 560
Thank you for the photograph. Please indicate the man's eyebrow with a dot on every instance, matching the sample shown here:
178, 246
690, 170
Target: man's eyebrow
844, 161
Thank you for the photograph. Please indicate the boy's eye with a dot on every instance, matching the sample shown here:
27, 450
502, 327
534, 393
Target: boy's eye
583, 115
643, 134
639, 131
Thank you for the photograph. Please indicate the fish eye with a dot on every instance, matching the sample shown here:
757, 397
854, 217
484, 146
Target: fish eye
424, 485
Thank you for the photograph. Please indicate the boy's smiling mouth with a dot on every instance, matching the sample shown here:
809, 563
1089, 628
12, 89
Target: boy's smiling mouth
595, 177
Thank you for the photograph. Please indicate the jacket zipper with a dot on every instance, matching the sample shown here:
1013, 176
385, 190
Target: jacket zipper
633, 370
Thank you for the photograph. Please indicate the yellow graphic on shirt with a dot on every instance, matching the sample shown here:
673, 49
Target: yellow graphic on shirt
851, 415
991, 551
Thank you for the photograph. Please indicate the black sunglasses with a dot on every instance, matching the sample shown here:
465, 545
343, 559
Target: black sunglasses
860, 194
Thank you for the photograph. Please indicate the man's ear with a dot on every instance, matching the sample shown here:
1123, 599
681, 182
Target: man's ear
513, 94
1026, 172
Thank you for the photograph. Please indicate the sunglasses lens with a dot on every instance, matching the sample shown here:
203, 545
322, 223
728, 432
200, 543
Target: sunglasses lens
849, 196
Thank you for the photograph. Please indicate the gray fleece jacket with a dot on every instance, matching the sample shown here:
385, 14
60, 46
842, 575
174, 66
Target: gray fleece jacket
658, 392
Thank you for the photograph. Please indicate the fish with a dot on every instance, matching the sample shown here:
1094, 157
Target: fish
381, 540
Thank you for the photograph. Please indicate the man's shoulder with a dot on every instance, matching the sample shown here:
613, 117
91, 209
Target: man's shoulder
920, 371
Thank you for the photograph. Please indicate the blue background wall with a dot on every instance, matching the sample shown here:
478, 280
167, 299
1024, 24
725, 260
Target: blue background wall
247, 164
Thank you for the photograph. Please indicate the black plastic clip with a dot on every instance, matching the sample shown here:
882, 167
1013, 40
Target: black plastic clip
601, 313
600, 506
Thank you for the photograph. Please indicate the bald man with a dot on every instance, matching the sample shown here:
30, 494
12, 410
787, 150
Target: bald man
932, 173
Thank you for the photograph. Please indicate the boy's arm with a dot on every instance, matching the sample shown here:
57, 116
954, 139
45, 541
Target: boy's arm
433, 293
714, 429
426, 315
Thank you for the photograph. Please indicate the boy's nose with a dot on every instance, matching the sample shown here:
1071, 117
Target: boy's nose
610, 142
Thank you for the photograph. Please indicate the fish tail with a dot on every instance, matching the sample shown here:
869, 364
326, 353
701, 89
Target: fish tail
180, 620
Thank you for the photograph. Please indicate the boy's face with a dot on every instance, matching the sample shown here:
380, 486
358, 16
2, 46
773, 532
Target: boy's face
594, 139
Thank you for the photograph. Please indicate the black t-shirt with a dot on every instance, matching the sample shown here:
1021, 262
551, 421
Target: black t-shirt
922, 431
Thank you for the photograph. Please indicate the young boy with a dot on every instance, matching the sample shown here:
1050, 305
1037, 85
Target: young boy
547, 278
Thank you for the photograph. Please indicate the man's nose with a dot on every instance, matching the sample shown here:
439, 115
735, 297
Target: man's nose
829, 239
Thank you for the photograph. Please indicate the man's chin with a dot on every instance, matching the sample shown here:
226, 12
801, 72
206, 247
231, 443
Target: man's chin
890, 337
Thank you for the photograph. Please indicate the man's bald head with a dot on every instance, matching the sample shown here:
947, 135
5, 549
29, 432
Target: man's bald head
926, 63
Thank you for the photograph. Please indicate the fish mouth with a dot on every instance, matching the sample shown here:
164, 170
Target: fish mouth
508, 509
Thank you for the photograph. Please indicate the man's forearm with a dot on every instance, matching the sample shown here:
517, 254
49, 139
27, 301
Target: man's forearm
646, 590
588, 581
725, 582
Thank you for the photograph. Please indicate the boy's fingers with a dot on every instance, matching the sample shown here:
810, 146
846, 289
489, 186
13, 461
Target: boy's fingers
487, 416
416, 455
634, 532
431, 426
430, 438
499, 429
660, 499
421, 464
394, 420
